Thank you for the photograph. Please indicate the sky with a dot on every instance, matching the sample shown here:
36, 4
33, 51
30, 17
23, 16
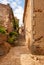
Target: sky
18, 8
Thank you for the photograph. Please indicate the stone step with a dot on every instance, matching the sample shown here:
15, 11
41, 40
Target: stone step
19, 43
29, 59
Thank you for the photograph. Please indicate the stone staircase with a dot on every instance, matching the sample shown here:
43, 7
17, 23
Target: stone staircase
20, 41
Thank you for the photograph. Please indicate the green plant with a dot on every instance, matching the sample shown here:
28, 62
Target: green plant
15, 22
12, 37
13, 33
11, 40
2, 30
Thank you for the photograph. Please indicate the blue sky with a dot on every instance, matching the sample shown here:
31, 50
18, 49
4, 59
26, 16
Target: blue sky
17, 6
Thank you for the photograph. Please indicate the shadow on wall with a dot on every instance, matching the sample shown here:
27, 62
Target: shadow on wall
29, 43
36, 48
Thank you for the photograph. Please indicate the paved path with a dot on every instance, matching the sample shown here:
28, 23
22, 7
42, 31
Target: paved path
20, 41
19, 53
13, 57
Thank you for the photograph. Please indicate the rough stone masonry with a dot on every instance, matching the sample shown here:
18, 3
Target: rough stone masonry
6, 19
6, 16
34, 25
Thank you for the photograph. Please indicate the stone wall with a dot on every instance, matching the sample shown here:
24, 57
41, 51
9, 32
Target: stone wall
34, 25
6, 23
27, 22
38, 27
6, 17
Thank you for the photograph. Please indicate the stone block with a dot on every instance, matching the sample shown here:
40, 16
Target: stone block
29, 59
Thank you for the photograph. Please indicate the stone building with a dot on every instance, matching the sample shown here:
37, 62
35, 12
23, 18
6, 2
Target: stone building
34, 25
21, 31
6, 22
6, 16
27, 21
16, 24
